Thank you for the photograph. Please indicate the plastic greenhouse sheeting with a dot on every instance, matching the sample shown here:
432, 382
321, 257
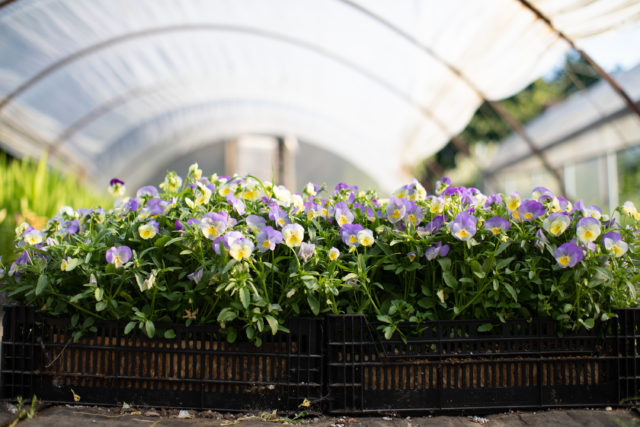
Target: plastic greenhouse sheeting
120, 87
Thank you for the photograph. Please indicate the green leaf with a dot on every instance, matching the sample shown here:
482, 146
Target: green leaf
485, 327
477, 269
150, 328
449, 279
502, 247
587, 323
172, 241
43, 282
251, 332
384, 318
245, 297
349, 276
140, 282
226, 315
314, 304
445, 263
169, 334
504, 262
101, 305
98, 294
228, 266
388, 332
511, 291
273, 323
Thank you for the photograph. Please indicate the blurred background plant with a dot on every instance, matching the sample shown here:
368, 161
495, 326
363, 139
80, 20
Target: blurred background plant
32, 192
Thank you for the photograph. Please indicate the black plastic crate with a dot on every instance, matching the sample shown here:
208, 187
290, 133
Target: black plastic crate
452, 367
628, 343
195, 370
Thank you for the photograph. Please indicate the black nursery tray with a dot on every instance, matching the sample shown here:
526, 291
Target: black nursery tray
452, 367
339, 363
194, 370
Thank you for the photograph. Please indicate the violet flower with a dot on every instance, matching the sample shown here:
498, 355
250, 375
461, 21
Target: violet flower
568, 254
437, 250
349, 234
268, 238
118, 255
530, 210
588, 229
463, 227
306, 251
396, 210
497, 225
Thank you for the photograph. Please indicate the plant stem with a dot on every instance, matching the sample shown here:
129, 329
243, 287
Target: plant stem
475, 297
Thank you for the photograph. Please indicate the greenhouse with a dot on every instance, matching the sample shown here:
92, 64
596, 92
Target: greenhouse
244, 210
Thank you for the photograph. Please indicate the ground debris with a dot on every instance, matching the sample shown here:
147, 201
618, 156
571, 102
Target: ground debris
151, 413
479, 420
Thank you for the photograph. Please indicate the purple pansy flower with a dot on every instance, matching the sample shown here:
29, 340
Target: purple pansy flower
349, 234
236, 204
396, 210
613, 243
556, 223
342, 186
442, 184
468, 198
213, 224
463, 227
560, 204
118, 255
278, 215
438, 249
541, 240
494, 199
342, 214
568, 254
497, 224
241, 248
196, 276
268, 238
530, 210
193, 221
69, 227
588, 229
178, 225
541, 194
433, 226
156, 206
147, 190
306, 251
256, 223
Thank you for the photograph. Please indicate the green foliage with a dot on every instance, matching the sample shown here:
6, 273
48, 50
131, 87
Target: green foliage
205, 260
31, 192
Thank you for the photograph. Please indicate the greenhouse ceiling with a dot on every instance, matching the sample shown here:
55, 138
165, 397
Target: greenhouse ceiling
122, 87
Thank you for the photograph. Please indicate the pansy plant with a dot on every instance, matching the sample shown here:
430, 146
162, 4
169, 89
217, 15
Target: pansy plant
248, 255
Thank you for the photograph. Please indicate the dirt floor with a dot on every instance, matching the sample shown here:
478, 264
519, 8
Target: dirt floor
78, 416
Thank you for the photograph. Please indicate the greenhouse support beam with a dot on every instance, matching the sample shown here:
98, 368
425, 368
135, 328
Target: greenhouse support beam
606, 76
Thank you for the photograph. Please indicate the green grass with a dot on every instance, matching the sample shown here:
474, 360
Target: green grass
33, 192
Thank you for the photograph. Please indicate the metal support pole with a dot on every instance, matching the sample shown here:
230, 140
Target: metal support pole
606, 76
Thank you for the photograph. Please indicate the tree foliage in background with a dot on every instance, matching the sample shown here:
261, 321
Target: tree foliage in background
32, 192
487, 126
